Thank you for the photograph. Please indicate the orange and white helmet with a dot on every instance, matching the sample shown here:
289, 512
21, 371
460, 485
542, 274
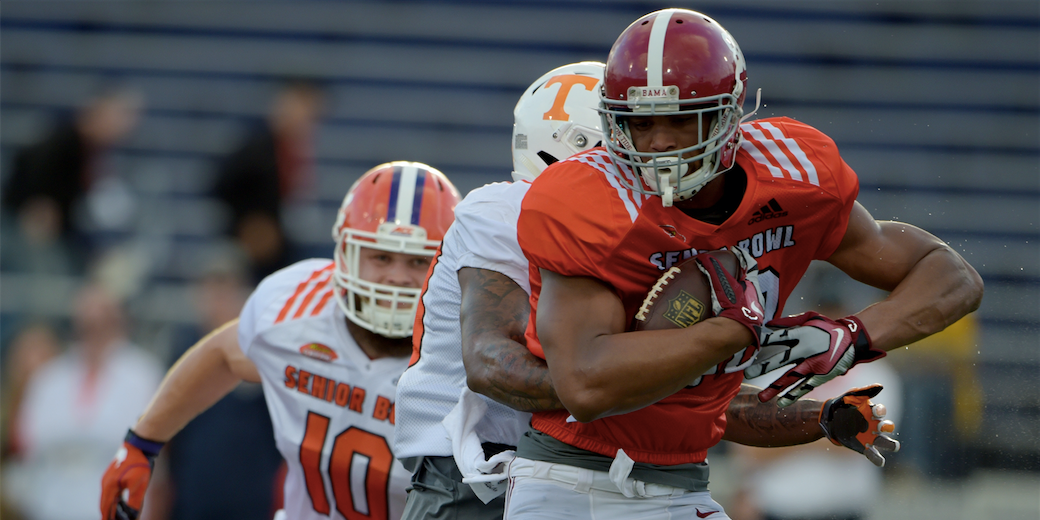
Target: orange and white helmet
399, 207
556, 118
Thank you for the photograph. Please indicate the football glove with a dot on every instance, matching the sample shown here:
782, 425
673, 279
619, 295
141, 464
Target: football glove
126, 479
737, 297
820, 348
851, 420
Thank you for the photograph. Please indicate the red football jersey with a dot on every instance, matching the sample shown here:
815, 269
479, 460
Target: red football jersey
578, 220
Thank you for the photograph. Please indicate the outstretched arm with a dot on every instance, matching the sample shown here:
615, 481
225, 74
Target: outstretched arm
494, 317
207, 372
849, 420
931, 285
751, 422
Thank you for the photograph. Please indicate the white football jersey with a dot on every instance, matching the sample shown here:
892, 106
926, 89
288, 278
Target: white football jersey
482, 236
331, 406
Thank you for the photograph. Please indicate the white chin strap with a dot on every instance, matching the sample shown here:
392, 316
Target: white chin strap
667, 190
667, 182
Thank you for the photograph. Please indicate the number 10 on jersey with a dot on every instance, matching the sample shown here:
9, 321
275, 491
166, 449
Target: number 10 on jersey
358, 470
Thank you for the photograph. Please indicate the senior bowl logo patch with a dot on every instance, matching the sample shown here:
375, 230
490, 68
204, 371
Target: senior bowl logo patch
672, 232
319, 352
684, 310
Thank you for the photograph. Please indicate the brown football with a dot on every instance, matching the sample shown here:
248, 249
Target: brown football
681, 296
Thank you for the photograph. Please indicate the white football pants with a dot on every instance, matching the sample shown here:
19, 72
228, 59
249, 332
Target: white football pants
558, 491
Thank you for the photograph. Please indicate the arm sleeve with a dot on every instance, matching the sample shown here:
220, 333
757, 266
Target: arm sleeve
485, 231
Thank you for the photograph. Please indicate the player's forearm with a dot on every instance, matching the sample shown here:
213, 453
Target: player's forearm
199, 379
493, 317
940, 289
507, 372
620, 373
753, 423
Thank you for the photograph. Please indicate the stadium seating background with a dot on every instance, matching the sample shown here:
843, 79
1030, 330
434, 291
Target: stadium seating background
934, 104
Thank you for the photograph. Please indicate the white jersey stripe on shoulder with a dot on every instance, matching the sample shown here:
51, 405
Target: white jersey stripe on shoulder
599, 160
655, 50
774, 150
631, 180
792, 146
406, 195
624, 193
749, 146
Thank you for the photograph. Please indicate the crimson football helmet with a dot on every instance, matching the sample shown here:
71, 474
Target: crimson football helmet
400, 207
556, 118
675, 62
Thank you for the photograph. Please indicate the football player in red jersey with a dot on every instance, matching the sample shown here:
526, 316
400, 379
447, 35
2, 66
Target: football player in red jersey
681, 173
475, 307
328, 340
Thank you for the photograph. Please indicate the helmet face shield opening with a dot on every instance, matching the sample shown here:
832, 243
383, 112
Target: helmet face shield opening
388, 310
673, 174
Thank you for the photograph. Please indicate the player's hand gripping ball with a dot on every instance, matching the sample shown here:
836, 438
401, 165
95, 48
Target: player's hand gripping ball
716, 283
853, 421
681, 296
125, 481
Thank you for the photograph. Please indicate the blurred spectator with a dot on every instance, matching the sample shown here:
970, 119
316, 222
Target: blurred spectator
234, 436
75, 411
272, 165
30, 349
943, 401
60, 187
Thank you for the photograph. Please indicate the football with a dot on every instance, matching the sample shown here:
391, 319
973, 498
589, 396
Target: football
681, 296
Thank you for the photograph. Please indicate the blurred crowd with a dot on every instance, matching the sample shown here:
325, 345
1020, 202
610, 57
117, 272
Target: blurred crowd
74, 378
73, 381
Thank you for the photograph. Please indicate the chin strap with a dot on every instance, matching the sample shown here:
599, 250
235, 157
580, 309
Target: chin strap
665, 185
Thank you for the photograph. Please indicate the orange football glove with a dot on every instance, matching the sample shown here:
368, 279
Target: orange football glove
126, 479
851, 420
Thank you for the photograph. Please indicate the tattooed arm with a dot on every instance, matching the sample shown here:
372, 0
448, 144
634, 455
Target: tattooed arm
494, 316
753, 423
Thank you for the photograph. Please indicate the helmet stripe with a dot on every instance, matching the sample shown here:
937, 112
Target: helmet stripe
655, 49
406, 194
391, 210
420, 183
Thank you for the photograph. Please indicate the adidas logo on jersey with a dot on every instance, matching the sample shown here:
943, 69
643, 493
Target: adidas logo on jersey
771, 210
